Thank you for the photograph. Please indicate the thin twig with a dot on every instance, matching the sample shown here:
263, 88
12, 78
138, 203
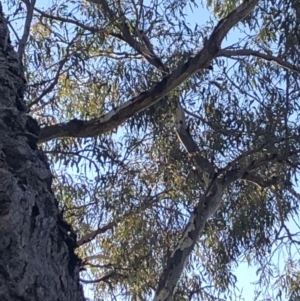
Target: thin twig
267, 57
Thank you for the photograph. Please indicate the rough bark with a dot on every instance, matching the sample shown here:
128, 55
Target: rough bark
37, 260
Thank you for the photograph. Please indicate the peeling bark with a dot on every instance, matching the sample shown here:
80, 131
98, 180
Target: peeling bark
205, 168
37, 260
215, 182
206, 208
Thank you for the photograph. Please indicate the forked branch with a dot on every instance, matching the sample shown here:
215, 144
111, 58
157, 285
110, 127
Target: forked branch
114, 118
205, 168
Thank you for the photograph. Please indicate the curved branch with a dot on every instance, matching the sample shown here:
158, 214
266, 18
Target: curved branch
114, 118
260, 181
267, 57
103, 278
71, 21
126, 36
91, 235
211, 200
22, 43
206, 169
207, 206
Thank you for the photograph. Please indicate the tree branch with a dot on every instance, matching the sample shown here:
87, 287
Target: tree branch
203, 165
234, 171
267, 57
232, 19
207, 206
145, 50
103, 278
114, 118
22, 43
53, 81
91, 235
212, 199
71, 21
259, 180
148, 201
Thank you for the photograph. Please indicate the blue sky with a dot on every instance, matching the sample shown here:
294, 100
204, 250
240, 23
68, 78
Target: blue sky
246, 274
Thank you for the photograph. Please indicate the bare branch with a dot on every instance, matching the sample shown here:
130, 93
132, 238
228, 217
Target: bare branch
51, 85
91, 235
104, 278
145, 50
207, 206
267, 57
71, 21
259, 180
14, 32
205, 168
22, 44
114, 118
148, 201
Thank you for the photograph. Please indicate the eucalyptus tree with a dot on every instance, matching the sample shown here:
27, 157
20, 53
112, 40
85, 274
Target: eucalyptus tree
173, 157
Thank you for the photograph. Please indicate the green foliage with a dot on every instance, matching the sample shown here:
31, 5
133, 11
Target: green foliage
136, 186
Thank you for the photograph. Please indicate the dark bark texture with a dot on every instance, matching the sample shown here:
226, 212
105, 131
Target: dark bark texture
37, 260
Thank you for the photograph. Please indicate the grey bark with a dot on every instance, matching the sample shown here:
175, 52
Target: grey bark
215, 182
207, 206
208, 203
37, 260
114, 118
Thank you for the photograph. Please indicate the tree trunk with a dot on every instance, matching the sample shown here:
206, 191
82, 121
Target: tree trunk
37, 260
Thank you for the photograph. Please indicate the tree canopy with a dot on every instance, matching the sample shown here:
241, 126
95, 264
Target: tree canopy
175, 158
